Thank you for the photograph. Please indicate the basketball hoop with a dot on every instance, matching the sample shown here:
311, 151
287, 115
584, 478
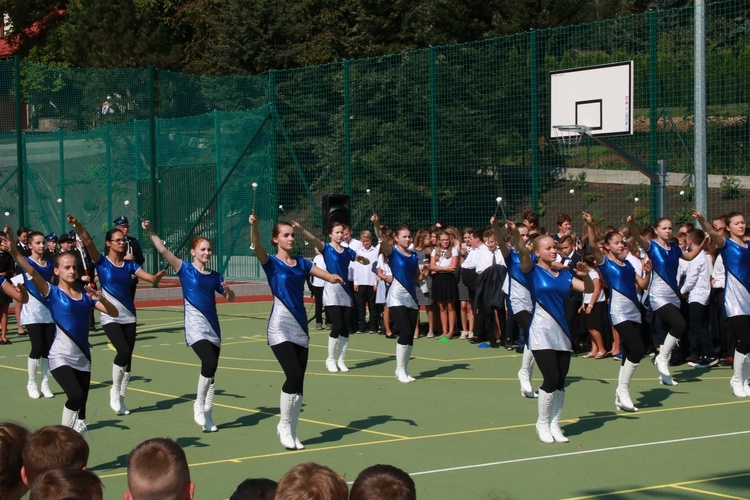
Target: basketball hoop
567, 138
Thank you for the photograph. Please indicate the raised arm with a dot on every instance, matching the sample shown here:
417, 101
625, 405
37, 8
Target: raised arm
645, 280
582, 282
384, 247
102, 304
228, 292
500, 237
171, 258
85, 237
716, 238
635, 233
526, 263
594, 238
325, 275
9, 245
18, 294
151, 278
260, 253
309, 236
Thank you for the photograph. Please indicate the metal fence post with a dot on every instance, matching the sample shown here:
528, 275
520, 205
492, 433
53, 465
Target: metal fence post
61, 153
19, 142
433, 138
218, 174
153, 157
347, 130
534, 85
654, 208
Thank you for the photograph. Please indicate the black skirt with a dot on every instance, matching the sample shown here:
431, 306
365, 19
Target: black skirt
444, 287
597, 319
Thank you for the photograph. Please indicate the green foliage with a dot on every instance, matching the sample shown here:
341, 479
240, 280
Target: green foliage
682, 215
731, 187
641, 191
592, 197
580, 181
641, 215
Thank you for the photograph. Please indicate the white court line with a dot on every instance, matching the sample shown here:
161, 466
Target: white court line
575, 453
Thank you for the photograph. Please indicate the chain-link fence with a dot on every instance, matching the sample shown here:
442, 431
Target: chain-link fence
419, 136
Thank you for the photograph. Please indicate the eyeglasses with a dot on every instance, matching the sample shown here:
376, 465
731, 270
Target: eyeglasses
119, 240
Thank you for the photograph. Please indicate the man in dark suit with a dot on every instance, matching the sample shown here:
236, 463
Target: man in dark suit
132, 250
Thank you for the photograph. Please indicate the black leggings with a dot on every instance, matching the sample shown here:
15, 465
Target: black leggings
405, 321
123, 338
293, 360
209, 356
41, 336
340, 317
672, 320
741, 328
631, 344
76, 385
523, 319
554, 366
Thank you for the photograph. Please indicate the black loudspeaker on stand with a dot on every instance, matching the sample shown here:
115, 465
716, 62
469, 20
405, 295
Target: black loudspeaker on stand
336, 208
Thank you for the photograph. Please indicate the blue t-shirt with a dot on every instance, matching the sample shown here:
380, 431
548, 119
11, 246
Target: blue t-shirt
71, 316
116, 280
288, 285
199, 289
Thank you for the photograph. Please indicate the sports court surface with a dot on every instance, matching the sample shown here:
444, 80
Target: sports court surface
462, 430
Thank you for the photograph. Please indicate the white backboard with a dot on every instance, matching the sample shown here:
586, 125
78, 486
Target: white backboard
599, 97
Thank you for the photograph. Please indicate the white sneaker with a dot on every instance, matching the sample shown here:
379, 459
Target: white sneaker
463, 335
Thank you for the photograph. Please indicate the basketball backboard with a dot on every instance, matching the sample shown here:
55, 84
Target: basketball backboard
598, 97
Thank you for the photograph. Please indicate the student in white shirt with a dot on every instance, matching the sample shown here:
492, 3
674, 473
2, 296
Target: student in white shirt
365, 284
697, 290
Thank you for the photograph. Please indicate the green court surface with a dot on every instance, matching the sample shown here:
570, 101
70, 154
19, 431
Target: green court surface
462, 429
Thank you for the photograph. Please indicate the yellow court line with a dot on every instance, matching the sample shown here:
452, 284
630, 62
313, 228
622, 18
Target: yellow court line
662, 486
709, 493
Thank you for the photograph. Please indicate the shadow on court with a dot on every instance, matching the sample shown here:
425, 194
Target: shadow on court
252, 419
374, 362
166, 404
354, 426
594, 420
654, 398
442, 370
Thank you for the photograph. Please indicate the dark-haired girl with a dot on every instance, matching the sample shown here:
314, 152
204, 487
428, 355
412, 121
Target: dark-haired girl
735, 252
70, 354
115, 278
202, 331
664, 293
287, 328
337, 297
624, 303
402, 294
550, 339
37, 319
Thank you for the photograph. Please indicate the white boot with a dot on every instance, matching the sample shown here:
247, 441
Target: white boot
622, 394
401, 356
284, 429
331, 359
746, 374
343, 342
524, 374
31, 387
69, 417
737, 382
114, 392
296, 408
544, 406
662, 360
200, 400
554, 426
81, 427
406, 363
123, 389
208, 406
46, 392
